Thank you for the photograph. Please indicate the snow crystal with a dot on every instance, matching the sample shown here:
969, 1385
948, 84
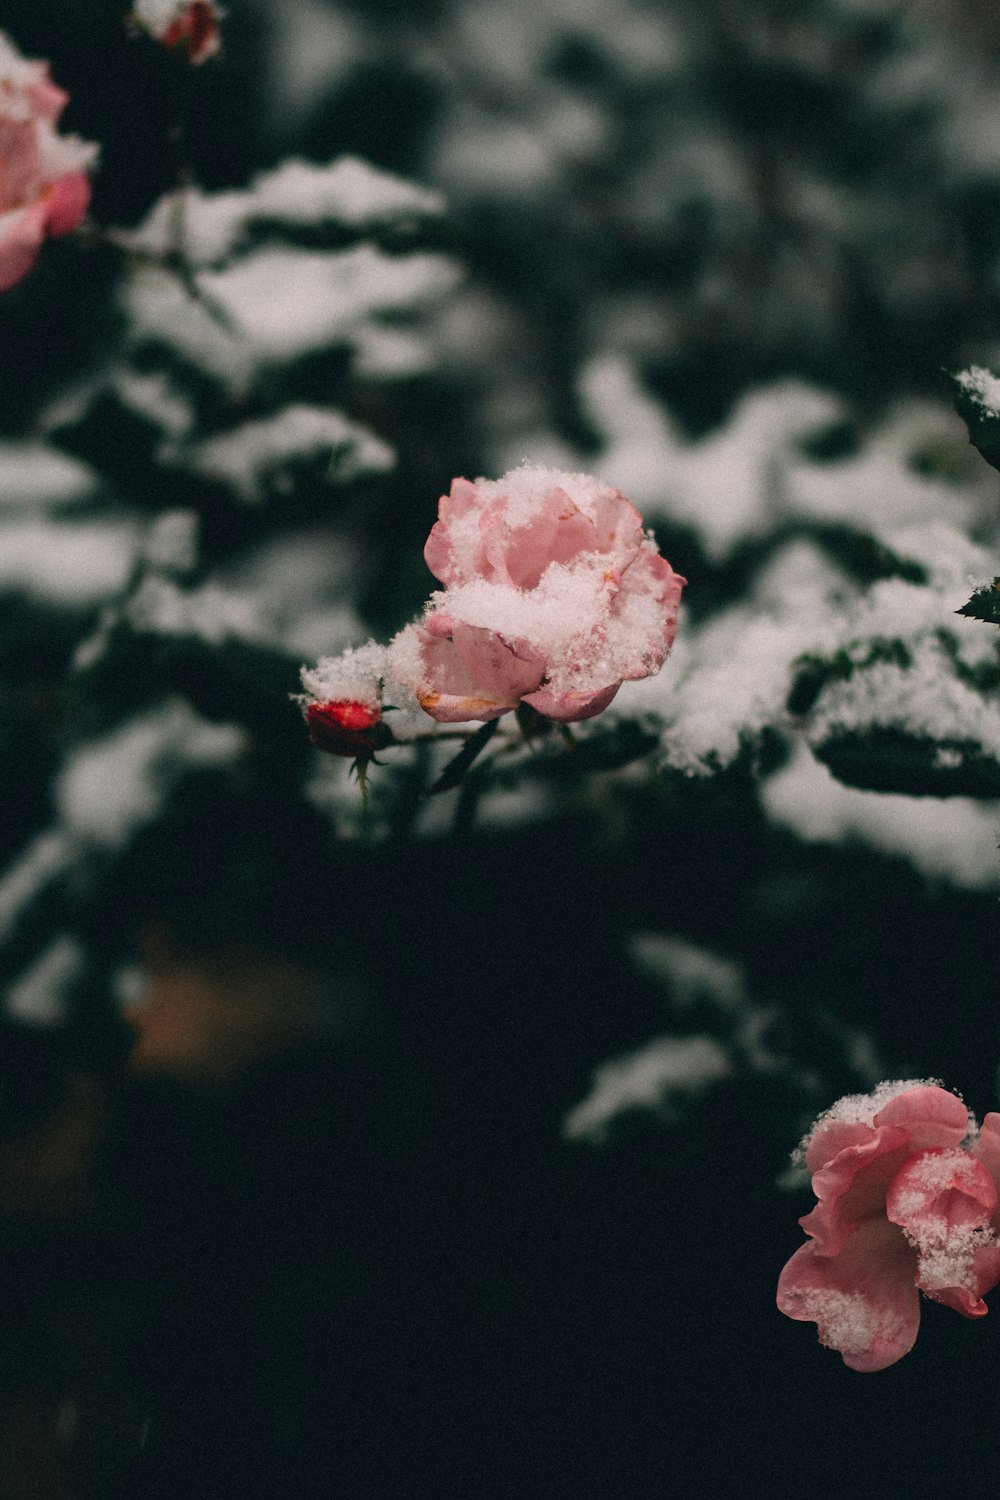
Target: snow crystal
38, 996
951, 838
111, 786
243, 456
33, 474
78, 563
666, 1071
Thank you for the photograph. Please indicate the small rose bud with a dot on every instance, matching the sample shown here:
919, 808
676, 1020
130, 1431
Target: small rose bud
349, 728
193, 24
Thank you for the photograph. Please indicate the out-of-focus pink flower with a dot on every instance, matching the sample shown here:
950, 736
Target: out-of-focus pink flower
554, 596
907, 1192
347, 728
43, 185
193, 24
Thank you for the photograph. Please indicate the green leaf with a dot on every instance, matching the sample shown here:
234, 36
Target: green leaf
455, 770
984, 604
977, 400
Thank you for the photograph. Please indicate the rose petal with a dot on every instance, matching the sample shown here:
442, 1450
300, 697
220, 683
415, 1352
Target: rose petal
851, 1188
930, 1115
570, 708
68, 201
943, 1199
863, 1300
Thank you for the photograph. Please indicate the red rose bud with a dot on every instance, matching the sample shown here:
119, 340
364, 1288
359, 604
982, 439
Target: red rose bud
347, 727
197, 28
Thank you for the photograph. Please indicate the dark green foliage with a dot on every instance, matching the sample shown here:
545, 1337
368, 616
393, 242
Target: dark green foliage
984, 604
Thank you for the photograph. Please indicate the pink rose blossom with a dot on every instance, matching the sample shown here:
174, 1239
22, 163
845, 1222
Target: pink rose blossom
907, 1194
43, 187
554, 596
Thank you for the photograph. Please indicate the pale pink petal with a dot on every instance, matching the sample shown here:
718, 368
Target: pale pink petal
448, 692
987, 1146
864, 1300
851, 1188
930, 1115
569, 708
67, 203
47, 100
831, 1136
558, 532
617, 523
21, 235
943, 1199
501, 668
20, 163
439, 550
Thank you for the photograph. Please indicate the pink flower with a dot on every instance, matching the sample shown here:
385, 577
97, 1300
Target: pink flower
554, 596
193, 24
43, 187
907, 1194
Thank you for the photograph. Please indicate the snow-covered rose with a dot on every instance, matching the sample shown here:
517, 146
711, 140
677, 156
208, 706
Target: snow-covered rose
43, 184
346, 727
554, 596
193, 24
907, 1195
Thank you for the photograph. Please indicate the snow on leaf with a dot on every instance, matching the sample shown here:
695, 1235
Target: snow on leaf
112, 786
249, 457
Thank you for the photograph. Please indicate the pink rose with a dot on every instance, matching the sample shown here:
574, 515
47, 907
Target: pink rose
554, 596
43, 187
907, 1204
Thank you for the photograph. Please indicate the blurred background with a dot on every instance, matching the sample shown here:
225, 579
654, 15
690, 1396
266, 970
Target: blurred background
443, 1150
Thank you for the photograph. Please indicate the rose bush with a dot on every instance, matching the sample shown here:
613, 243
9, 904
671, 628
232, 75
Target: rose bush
43, 184
907, 1191
554, 596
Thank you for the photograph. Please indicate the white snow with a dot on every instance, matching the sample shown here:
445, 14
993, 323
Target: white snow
983, 387
37, 996
34, 475
953, 839
208, 227
282, 303
109, 788
72, 563
48, 855
246, 455
666, 1073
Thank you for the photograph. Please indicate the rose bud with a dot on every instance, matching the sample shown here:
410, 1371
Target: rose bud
347, 727
193, 24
